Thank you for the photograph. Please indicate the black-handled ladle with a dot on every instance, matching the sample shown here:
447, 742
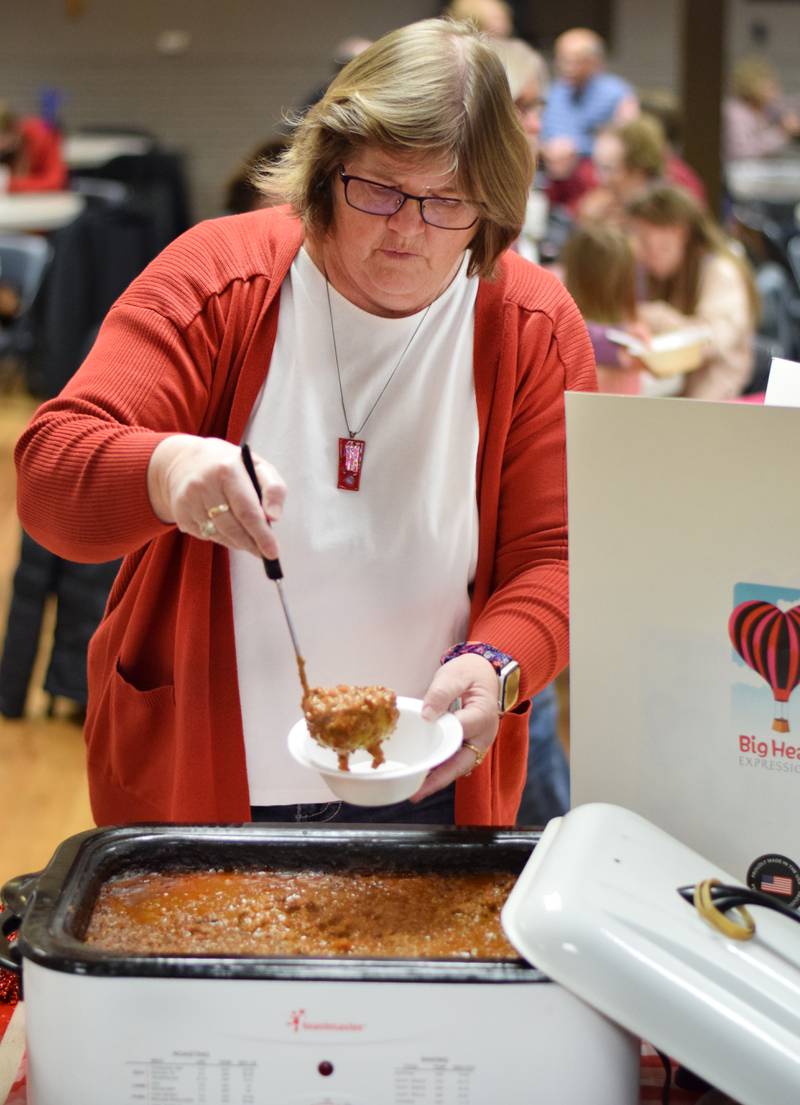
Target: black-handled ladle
274, 570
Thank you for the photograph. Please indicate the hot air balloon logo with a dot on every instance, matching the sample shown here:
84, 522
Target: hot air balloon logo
768, 640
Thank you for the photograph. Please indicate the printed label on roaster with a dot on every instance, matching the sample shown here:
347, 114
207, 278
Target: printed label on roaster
197, 1078
433, 1078
193, 1078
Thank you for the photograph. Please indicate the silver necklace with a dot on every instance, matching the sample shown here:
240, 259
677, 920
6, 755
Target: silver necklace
353, 447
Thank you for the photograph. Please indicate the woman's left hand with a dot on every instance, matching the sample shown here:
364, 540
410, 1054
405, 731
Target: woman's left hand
472, 679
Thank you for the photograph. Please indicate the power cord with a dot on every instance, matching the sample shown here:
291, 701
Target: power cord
666, 1089
713, 899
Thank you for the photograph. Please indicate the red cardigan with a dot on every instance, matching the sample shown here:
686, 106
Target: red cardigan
186, 349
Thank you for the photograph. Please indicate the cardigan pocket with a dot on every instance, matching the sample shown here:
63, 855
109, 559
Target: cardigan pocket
510, 764
140, 735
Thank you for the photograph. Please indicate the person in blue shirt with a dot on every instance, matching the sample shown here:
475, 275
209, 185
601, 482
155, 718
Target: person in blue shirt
584, 98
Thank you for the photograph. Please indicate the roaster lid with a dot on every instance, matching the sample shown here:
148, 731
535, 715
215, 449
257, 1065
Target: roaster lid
597, 909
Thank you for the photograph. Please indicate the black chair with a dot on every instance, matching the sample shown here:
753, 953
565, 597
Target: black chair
793, 253
24, 260
97, 190
779, 307
94, 260
157, 183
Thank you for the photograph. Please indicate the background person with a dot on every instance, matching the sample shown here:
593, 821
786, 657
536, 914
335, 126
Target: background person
355, 311
583, 98
30, 151
600, 270
526, 71
757, 121
662, 104
494, 18
625, 160
691, 277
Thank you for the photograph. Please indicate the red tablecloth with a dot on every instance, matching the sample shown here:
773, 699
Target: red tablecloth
17, 1094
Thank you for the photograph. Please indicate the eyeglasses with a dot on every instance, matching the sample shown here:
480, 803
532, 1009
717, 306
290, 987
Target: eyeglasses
379, 199
535, 104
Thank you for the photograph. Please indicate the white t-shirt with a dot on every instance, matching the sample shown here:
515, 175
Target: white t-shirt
375, 580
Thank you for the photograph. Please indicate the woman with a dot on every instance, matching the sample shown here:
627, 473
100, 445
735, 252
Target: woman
600, 274
625, 161
692, 277
526, 73
757, 122
30, 154
377, 316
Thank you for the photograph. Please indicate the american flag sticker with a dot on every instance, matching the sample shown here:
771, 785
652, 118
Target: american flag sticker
776, 874
777, 884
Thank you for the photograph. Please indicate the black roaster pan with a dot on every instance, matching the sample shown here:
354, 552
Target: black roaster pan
51, 909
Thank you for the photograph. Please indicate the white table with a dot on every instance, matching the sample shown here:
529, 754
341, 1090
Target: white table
775, 180
38, 211
91, 151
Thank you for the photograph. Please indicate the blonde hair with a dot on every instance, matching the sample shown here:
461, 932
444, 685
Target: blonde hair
485, 15
522, 65
662, 205
431, 90
664, 105
749, 77
643, 145
600, 273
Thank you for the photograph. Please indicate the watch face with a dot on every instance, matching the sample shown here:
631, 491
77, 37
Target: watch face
510, 689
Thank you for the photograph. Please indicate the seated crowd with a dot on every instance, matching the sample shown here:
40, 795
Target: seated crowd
617, 212
608, 154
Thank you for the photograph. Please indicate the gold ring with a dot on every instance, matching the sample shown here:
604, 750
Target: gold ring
704, 904
213, 511
207, 529
478, 753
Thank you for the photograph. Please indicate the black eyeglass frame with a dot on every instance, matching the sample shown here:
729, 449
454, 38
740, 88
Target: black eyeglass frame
421, 200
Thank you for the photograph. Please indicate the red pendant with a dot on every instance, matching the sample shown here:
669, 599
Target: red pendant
351, 461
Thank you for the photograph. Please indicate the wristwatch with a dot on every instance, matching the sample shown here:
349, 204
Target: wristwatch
507, 670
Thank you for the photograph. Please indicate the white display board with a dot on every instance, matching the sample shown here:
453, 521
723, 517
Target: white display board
680, 513
783, 385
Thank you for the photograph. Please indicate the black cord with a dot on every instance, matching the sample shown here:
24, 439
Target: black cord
730, 897
666, 1089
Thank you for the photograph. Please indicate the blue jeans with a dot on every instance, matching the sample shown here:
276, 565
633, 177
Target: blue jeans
546, 792
436, 809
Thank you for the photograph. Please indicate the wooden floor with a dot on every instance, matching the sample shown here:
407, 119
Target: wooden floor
43, 796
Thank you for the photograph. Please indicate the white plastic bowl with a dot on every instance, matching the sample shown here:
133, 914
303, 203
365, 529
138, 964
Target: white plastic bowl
410, 752
680, 351
667, 354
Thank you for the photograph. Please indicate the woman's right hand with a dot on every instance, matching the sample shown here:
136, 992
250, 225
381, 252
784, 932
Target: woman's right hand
192, 480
